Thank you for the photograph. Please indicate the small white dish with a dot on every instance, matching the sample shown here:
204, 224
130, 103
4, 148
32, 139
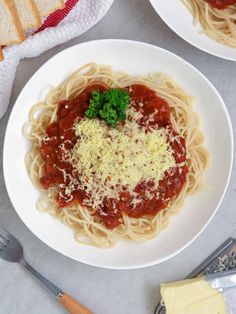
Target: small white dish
134, 58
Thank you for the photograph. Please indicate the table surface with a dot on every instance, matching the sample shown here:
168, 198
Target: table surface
113, 291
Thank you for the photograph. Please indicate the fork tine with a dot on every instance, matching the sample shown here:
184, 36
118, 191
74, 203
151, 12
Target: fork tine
3, 240
5, 234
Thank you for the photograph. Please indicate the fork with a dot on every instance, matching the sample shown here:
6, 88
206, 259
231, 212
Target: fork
11, 250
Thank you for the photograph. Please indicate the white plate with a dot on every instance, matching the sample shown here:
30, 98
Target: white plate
180, 20
134, 58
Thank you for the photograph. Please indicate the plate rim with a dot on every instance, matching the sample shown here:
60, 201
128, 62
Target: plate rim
180, 35
154, 261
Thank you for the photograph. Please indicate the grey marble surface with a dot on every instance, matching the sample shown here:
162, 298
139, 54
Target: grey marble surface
108, 291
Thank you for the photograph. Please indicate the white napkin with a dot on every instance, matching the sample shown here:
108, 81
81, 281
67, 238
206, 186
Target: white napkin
83, 16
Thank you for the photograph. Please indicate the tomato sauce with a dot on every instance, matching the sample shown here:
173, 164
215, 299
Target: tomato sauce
221, 4
60, 135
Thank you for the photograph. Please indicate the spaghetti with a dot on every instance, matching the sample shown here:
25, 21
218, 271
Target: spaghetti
182, 148
216, 17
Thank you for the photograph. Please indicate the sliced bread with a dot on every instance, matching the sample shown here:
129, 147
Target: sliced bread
46, 7
11, 30
1, 54
28, 13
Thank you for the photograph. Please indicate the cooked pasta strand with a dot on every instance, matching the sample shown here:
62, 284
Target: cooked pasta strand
217, 24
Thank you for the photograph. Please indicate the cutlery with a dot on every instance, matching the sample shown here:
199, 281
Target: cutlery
11, 250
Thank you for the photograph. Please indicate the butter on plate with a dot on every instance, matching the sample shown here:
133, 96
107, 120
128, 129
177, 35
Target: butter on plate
192, 296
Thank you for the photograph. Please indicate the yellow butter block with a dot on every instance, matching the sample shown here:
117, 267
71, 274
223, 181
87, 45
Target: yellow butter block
192, 296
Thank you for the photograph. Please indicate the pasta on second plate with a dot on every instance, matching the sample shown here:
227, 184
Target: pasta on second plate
216, 17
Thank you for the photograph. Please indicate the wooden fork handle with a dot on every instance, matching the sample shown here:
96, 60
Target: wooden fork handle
73, 306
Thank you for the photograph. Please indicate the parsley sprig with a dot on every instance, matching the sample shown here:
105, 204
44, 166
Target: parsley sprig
109, 106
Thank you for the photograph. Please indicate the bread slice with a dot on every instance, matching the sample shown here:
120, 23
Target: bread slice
11, 30
28, 13
1, 54
47, 7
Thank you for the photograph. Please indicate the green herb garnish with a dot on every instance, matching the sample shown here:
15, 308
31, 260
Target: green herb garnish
109, 105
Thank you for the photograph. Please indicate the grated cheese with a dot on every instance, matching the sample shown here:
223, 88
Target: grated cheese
110, 161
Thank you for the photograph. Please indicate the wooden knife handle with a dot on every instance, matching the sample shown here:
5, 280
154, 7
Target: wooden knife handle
73, 306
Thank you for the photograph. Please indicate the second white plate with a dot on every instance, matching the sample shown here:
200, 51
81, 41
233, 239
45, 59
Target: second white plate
179, 19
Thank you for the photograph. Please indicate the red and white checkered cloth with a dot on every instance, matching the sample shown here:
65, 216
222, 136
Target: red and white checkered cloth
75, 19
